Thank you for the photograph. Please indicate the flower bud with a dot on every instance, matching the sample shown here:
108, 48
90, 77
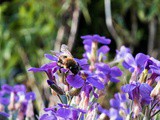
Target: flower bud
29, 111
78, 99
156, 90
11, 106
136, 108
74, 91
102, 116
56, 88
1, 107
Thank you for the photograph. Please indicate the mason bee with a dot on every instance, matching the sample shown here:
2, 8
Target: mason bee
66, 60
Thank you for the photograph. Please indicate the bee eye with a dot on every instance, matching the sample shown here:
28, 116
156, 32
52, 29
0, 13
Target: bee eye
70, 67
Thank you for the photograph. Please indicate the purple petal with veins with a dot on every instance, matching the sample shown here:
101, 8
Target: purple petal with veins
4, 114
75, 81
104, 49
130, 60
64, 113
141, 58
114, 103
95, 82
114, 80
51, 57
115, 72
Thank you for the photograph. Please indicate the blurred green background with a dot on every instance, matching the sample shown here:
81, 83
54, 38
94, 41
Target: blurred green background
31, 28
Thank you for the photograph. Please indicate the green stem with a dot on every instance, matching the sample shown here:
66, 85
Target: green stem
153, 107
155, 114
60, 98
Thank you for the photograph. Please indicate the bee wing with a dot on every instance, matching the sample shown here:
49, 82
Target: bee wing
55, 53
65, 50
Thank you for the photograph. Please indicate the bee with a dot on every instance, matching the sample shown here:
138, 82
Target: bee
66, 60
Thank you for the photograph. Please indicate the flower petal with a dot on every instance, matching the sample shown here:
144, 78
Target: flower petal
95, 82
145, 91
64, 113
51, 57
104, 49
141, 59
36, 69
115, 72
128, 88
102, 67
19, 88
114, 103
130, 60
114, 80
75, 81
3, 115
30, 95
7, 88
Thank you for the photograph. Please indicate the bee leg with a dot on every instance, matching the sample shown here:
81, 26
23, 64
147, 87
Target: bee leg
67, 72
60, 69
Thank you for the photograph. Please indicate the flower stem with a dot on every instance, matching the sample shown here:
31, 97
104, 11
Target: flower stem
155, 114
153, 107
60, 98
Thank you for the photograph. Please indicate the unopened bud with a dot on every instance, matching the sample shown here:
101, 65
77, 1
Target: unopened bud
85, 102
102, 116
29, 111
56, 88
17, 105
74, 91
11, 106
151, 80
136, 108
78, 99
133, 76
156, 90
1, 107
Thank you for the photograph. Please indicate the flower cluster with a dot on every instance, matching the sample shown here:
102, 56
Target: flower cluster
17, 101
82, 82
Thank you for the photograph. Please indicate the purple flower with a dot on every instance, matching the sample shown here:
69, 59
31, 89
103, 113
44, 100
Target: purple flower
155, 67
118, 105
30, 96
120, 54
102, 110
89, 39
51, 57
49, 69
112, 113
3, 115
7, 89
138, 91
19, 88
136, 63
95, 38
61, 111
108, 73
118, 100
85, 77
94, 80
4, 100
16, 98
75, 81
100, 52
87, 88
